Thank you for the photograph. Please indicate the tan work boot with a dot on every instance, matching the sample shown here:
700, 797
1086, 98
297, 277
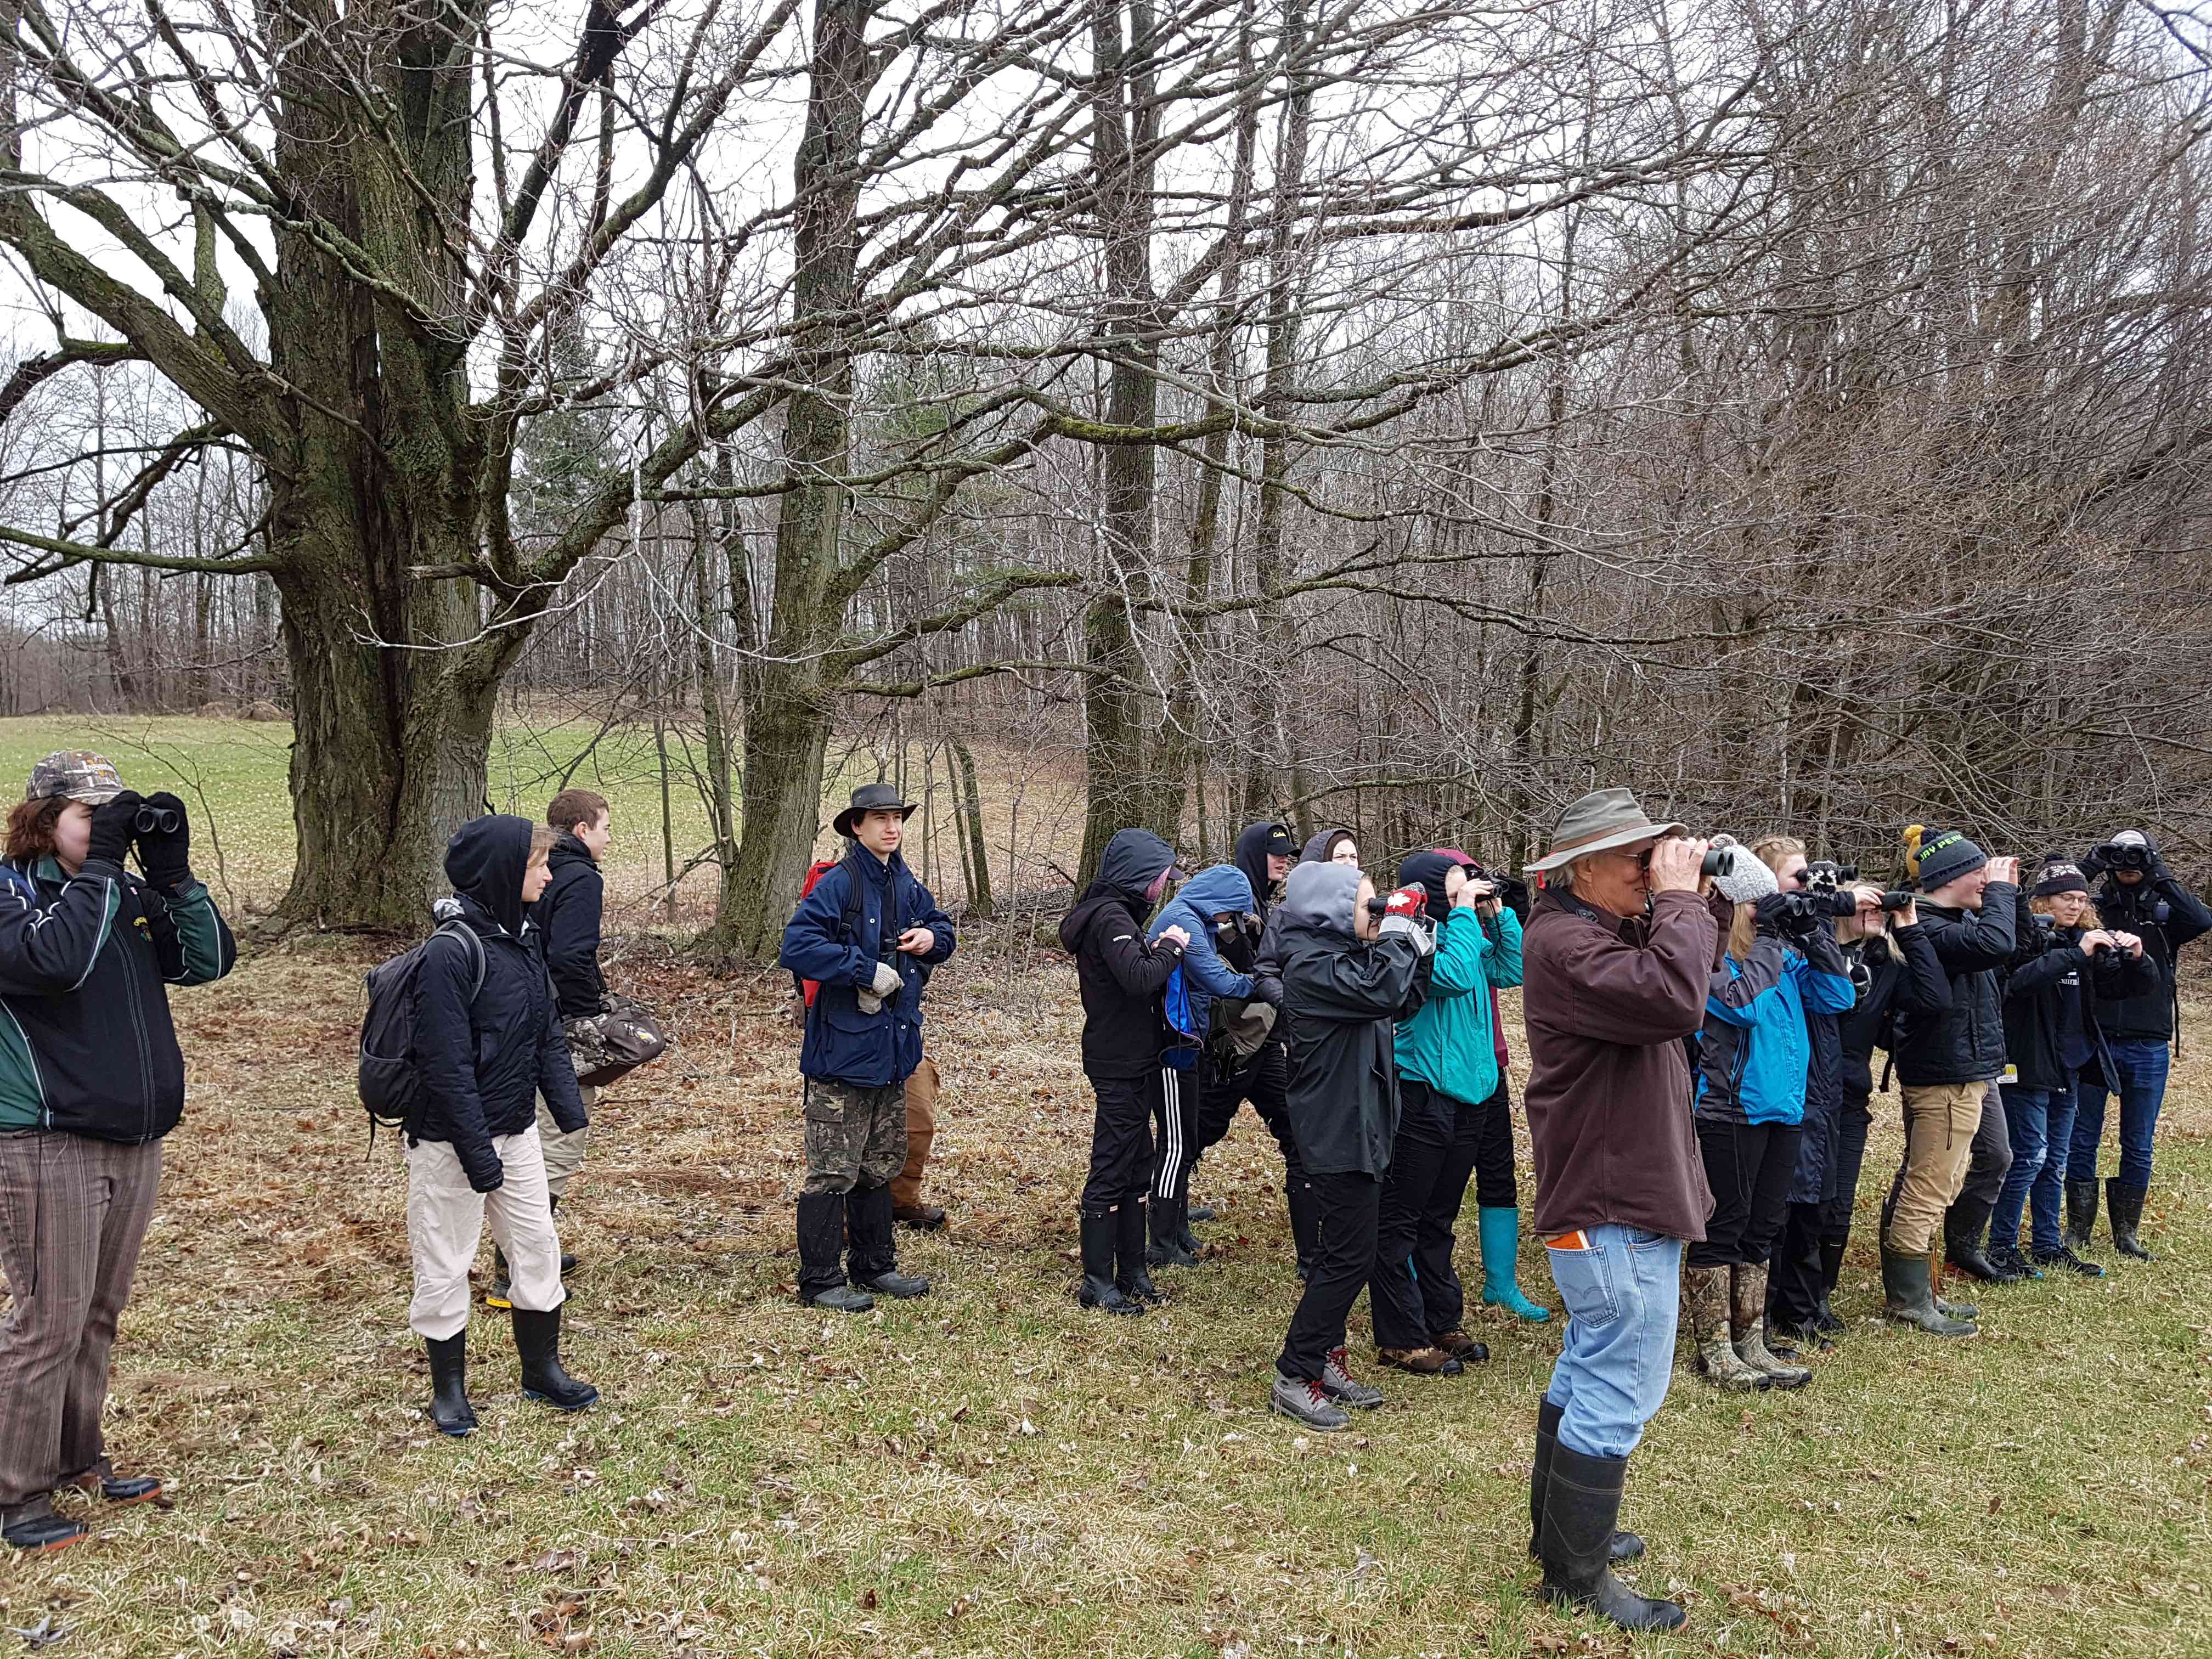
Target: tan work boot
1706, 1291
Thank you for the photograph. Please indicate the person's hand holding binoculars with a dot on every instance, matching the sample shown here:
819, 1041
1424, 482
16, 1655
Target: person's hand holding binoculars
165, 839
1677, 866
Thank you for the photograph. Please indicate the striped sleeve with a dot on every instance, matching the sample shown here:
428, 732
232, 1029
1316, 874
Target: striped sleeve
49, 946
207, 950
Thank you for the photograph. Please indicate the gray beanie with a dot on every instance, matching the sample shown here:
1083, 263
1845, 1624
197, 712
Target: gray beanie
1750, 881
1946, 855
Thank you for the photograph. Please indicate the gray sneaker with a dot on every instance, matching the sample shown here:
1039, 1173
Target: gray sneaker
1337, 1382
840, 1298
1304, 1402
901, 1285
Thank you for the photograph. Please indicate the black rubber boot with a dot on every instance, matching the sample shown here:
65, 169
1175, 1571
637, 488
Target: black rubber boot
2125, 1205
1305, 1230
553, 1207
1168, 1250
449, 1374
1131, 1276
538, 1338
1581, 1501
873, 1253
2080, 1215
1626, 1546
1184, 1236
1099, 1290
1832, 1274
821, 1255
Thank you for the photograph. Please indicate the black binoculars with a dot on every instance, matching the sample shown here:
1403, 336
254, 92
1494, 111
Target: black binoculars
1893, 901
158, 820
1719, 861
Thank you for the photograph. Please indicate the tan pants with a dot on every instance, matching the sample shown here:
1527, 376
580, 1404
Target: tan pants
1940, 1121
73, 1212
446, 1218
920, 1130
564, 1154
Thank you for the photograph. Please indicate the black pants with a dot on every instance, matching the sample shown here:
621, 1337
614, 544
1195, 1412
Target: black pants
1415, 1291
1346, 1207
1968, 1217
1855, 1119
1796, 1280
1120, 1142
1748, 1166
1265, 1080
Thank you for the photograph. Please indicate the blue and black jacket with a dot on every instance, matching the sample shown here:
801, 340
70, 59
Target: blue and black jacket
845, 1044
1220, 890
1756, 1051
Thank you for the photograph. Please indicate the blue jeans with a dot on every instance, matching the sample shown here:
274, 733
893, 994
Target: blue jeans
2039, 1120
1622, 1296
2142, 1067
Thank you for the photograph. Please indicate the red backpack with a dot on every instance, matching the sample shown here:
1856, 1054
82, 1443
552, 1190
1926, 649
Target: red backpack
807, 987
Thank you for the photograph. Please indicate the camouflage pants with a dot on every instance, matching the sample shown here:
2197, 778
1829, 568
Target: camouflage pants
855, 1136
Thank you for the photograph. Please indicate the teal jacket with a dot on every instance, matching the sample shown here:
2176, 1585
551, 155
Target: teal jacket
86, 962
1450, 1044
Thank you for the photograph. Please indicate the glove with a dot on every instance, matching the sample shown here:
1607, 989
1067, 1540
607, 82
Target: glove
1268, 989
886, 983
113, 826
484, 1171
166, 854
1411, 903
1425, 942
1773, 914
2158, 875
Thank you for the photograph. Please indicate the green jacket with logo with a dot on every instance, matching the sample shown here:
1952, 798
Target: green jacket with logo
86, 1045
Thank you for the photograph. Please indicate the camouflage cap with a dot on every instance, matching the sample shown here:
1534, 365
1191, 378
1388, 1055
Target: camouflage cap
75, 775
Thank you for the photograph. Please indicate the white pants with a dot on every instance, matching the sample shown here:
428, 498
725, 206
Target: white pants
446, 1218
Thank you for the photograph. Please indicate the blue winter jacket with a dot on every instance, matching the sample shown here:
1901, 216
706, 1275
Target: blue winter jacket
1450, 1044
1755, 1050
1209, 893
843, 1044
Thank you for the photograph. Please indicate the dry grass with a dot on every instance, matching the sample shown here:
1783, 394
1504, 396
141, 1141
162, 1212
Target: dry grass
991, 1471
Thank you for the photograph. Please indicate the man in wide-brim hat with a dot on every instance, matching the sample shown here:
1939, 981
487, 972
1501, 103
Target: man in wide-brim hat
1615, 964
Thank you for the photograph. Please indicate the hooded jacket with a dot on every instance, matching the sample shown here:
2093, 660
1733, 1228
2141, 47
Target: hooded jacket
1320, 844
1888, 986
1342, 995
2167, 915
485, 1059
567, 916
2057, 988
1966, 1042
1757, 1053
1120, 972
86, 1042
844, 1043
1251, 858
1220, 889
1451, 1043
1608, 1000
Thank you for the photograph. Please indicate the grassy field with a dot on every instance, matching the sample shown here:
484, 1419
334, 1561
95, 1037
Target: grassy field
990, 1470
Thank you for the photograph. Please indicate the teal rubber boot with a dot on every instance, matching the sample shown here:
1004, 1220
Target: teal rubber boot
1501, 1255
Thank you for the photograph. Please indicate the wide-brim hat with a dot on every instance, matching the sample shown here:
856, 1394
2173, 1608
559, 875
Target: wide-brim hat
1602, 819
871, 797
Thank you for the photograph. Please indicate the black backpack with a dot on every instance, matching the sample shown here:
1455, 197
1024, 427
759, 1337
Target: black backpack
389, 1081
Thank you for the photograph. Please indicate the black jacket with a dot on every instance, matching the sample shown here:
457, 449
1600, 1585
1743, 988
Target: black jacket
1120, 974
1965, 1043
1814, 1180
2036, 995
567, 917
2167, 915
1887, 987
485, 1061
86, 1045
1343, 998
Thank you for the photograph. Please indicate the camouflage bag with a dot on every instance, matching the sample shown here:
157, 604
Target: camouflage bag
607, 1046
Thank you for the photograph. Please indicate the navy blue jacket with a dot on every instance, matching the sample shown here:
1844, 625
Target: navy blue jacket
843, 1044
567, 917
484, 1061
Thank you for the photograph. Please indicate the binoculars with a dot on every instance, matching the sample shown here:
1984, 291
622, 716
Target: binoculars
1718, 861
158, 820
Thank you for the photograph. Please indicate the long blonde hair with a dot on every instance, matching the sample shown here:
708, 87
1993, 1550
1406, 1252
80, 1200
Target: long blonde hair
1773, 851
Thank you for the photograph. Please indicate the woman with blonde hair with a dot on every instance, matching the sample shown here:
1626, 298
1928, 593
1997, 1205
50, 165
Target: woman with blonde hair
1753, 1064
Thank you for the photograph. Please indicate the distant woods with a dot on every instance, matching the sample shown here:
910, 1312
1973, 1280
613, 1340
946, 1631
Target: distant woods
1372, 414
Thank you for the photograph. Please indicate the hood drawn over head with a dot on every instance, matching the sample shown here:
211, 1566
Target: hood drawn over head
485, 860
1427, 871
1253, 846
1322, 842
1133, 861
1219, 888
1321, 896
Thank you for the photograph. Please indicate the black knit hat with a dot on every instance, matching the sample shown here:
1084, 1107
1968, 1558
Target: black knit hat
1946, 855
2059, 874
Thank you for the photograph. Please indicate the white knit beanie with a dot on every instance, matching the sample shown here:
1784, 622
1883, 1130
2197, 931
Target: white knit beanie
1750, 881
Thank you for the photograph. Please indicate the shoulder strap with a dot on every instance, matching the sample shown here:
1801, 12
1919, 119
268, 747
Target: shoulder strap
467, 934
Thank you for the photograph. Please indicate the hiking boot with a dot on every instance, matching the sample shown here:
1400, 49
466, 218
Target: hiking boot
1099, 1288
1747, 1323
101, 1481
1307, 1403
538, 1338
1581, 1501
498, 1296
449, 1368
1336, 1381
1422, 1362
1907, 1298
2080, 1215
2062, 1257
1706, 1290
840, 1299
1500, 1229
2125, 1206
1626, 1546
893, 1282
33, 1527
1462, 1347
2006, 1258
924, 1218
